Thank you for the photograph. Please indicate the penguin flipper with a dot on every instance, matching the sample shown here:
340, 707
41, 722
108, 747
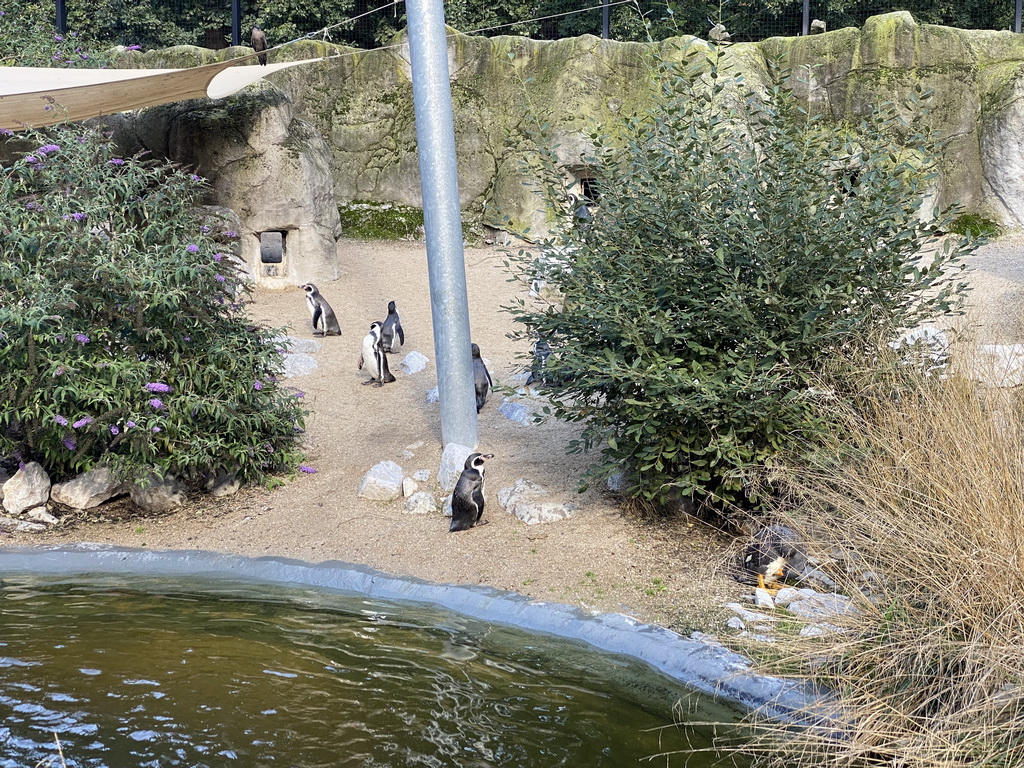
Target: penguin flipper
317, 314
401, 333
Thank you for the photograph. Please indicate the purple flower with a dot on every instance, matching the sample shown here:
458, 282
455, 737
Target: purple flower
156, 429
78, 216
31, 159
156, 403
83, 56
84, 421
194, 177
47, 148
58, 419
158, 386
188, 338
231, 233
218, 256
114, 430
48, 107
58, 38
257, 385
219, 278
4, 131
192, 248
300, 395
69, 443
61, 370
115, 161
32, 206
134, 47
307, 470
81, 338
60, 337
204, 229
129, 424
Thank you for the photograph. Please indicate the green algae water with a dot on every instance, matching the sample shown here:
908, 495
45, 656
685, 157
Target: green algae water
147, 671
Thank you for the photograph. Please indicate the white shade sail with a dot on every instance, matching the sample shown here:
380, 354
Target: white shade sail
34, 97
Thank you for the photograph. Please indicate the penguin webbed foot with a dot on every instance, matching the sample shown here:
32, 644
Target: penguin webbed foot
370, 381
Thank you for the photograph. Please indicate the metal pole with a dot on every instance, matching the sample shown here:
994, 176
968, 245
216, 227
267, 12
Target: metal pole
605, 18
807, 18
442, 220
1016, 18
236, 22
62, 16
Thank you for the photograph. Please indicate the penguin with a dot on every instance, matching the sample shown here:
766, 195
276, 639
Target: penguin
375, 358
468, 498
541, 352
392, 329
321, 312
775, 554
481, 378
259, 43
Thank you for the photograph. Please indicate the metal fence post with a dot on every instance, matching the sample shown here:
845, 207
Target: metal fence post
807, 18
1016, 18
62, 16
236, 22
605, 18
442, 220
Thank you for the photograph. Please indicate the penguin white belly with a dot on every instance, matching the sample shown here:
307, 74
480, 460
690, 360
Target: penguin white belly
370, 359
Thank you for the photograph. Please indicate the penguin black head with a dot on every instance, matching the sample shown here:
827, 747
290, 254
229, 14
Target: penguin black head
309, 288
392, 307
475, 349
476, 460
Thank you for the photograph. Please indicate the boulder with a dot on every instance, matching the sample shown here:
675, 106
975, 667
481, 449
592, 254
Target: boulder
88, 490
223, 484
453, 461
382, 483
413, 362
524, 499
40, 515
30, 487
158, 494
519, 410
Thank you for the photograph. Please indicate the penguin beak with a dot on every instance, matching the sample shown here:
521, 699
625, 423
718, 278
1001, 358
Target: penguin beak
486, 455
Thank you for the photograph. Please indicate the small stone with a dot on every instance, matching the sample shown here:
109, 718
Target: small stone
786, 596
382, 483
407, 454
523, 499
433, 396
516, 412
24, 526
448, 505
413, 362
409, 487
415, 446
763, 599
421, 503
40, 515
453, 461
421, 475
28, 488
8, 523
735, 622
749, 616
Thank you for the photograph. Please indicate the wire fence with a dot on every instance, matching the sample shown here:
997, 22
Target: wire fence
219, 23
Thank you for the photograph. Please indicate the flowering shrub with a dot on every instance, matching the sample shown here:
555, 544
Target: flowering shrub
123, 338
28, 38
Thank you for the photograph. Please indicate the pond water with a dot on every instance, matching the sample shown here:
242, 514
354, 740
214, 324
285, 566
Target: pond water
156, 671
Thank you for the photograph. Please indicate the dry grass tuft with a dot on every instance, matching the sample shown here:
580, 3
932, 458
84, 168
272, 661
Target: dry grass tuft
918, 516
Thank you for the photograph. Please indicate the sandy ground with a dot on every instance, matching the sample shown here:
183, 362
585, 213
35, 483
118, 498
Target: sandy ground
666, 572
670, 572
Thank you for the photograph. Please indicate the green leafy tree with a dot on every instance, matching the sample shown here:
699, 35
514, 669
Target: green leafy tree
739, 246
123, 333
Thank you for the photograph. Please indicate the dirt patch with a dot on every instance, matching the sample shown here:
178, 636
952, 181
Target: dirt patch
667, 572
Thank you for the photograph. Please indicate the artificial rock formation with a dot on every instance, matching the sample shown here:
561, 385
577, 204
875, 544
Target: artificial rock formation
342, 129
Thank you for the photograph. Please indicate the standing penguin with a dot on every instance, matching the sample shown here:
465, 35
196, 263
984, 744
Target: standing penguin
321, 312
468, 498
481, 378
375, 358
259, 43
392, 330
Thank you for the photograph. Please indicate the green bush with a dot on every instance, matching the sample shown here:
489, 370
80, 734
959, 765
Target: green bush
123, 333
738, 247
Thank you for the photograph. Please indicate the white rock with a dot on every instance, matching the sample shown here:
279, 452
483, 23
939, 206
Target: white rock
735, 622
787, 595
298, 364
421, 503
224, 484
415, 446
747, 615
763, 599
8, 523
516, 411
447, 507
421, 475
24, 526
524, 500
453, 461
382, 483
30, 487
158, 494
433, 396
40, 515
819, 606
88, 490
413, 362
409, 487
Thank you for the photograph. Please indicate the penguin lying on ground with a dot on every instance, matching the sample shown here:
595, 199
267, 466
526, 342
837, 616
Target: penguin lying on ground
392, 330
321, 312
481, 378
375, 358
468, 498
772, 556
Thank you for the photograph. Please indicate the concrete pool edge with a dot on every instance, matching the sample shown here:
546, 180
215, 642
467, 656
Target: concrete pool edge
706, 667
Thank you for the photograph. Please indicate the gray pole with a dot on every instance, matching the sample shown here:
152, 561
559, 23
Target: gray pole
605, 19
1016, 18
236, 22
442, 220
807, 18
